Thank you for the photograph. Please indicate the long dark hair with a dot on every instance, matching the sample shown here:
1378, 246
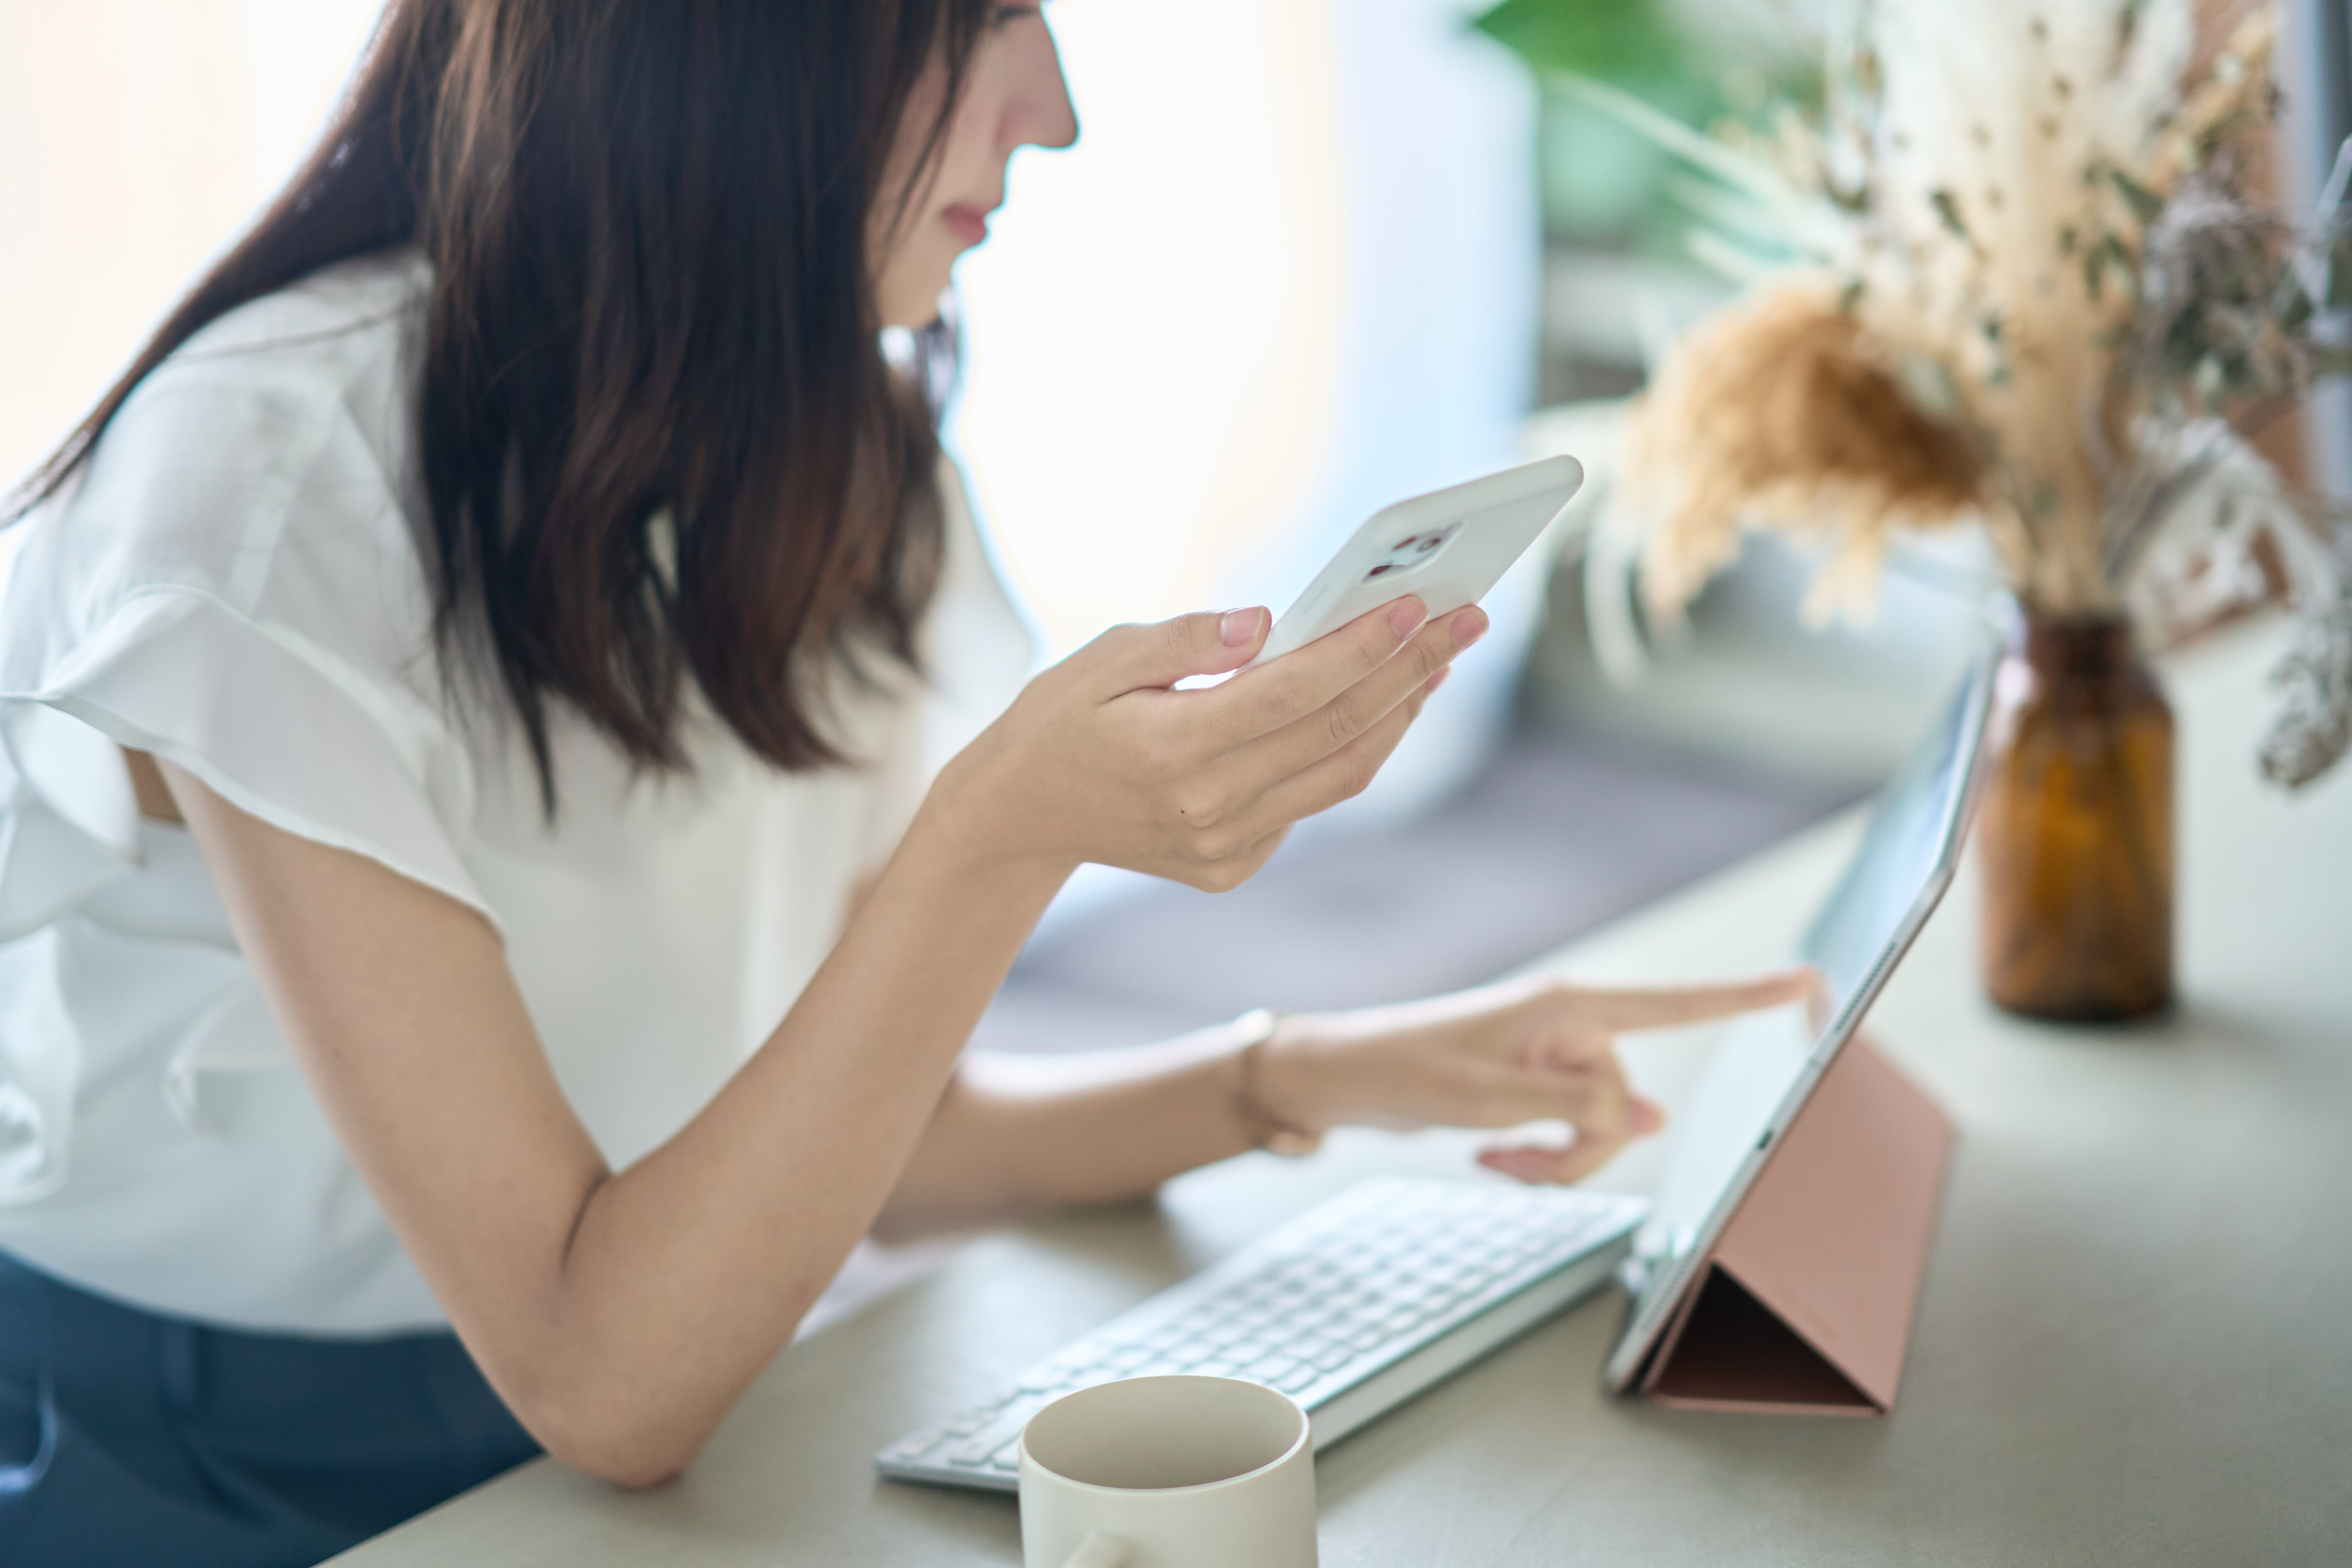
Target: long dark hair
658, 442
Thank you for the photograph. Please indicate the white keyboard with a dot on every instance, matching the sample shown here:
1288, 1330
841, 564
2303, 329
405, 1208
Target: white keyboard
1351, 1309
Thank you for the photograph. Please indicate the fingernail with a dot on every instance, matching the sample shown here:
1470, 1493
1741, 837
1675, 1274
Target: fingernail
1406, 615
1238, 628
1434, 682
1644, 1117
1469, 626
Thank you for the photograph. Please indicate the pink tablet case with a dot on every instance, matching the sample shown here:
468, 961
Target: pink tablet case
1804, 1305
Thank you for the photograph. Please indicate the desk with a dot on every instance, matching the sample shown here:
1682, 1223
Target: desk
2135, 1345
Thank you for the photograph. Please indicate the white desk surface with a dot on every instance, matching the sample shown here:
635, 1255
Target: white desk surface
2135, 1345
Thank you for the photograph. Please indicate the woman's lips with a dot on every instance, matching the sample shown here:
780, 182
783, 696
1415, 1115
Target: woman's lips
970, 224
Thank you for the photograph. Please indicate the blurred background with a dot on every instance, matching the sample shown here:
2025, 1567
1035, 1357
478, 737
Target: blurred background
1307, 258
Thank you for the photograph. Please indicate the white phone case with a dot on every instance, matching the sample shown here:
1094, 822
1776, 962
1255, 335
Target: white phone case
1449, 546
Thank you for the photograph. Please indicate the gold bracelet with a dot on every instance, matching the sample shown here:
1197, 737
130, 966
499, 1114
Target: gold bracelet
1260, 1125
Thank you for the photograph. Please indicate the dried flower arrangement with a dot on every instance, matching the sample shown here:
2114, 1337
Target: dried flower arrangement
2030, 289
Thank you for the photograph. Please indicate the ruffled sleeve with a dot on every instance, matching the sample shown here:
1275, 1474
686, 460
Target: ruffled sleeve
232, 586
277, 725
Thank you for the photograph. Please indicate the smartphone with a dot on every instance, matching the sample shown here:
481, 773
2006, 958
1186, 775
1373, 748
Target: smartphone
1449, 546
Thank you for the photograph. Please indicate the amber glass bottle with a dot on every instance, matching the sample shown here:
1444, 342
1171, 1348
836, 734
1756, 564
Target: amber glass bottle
2074, 828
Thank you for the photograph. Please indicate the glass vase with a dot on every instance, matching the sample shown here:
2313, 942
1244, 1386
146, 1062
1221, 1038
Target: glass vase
2075, 828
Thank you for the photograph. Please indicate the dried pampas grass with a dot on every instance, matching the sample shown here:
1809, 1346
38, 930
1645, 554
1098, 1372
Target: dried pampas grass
1781, 412
2042, 291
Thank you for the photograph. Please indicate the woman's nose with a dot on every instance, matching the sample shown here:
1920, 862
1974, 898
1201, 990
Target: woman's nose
1038, 112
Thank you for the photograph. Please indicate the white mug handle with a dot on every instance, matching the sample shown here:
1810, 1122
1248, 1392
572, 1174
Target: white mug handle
1100, 1550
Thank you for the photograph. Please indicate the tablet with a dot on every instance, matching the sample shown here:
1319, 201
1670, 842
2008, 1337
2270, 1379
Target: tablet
1769, 1063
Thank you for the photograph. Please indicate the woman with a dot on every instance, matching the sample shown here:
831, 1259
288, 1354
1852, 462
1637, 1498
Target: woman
454, 691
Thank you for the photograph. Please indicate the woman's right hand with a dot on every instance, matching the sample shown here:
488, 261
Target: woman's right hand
1101, 758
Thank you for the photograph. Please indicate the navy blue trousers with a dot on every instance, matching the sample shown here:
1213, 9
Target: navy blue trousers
126, 1437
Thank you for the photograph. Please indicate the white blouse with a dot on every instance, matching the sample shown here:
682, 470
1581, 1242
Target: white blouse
234, 584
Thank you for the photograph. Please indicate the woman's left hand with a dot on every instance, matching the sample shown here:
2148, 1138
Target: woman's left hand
1497, 1056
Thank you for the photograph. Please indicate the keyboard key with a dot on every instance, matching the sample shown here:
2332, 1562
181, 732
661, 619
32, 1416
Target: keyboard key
1297, 1380
971, 1421
1323, 1317
915, 1445
976, 1448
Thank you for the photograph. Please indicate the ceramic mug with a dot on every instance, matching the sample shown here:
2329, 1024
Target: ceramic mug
1168, 1472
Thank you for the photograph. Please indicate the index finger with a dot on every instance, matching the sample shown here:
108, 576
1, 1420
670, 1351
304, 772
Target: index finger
1659, 1007
1258, 702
